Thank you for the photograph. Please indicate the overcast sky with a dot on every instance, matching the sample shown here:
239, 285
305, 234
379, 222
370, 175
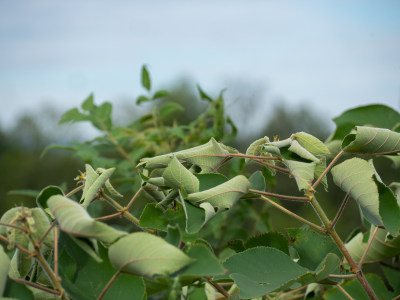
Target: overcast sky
333, 54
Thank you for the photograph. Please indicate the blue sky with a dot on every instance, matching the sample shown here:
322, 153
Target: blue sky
334, 55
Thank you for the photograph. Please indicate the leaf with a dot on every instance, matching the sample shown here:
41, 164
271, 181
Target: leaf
74, 220
141, 99
45, 194
319, 169
177, 176
146, 255
88, 104
74, 115
223, 195
302, 172
4, 267
310, 143
389, 209
380, 249
146, 82
173, 235
257, 181
153, 217
298, 149
205, 263
328, 266
356, 291
169, 108
256, 148
197, 217
269, 239
161, 94
354, 176
203, 95
93, 183
369, 140
311, 246
393, 276
261, 270
14, 290
377, 115
25, 193
210, 180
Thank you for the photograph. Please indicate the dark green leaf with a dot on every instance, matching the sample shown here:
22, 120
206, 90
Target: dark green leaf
153, 217
141, 99
269, 239
74, 115
328, 266
203, 95
4, 267
14, 290
161, 94
45, 194
146, 82
88, 104
393, 276
210, 180
169, 108
56, 146
257, 181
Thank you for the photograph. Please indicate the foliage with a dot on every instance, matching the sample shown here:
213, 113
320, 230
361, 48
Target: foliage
197, 224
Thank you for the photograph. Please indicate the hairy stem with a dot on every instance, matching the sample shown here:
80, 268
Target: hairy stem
327, 169
343, 276
292, 214
294, 198
335, 237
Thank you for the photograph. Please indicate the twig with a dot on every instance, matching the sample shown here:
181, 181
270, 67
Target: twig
134, 197
371, 238
347, 276
219, 288
46, 233
253, 156
120, 208
13, 226
37, 286
118, 214
344, 292
109, 283
319, 228
327, 169
340, 211
56, 251
272, 166
294, 291
75, 190
295, 198
26, 251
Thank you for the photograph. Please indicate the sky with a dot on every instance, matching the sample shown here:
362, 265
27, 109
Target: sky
332, 55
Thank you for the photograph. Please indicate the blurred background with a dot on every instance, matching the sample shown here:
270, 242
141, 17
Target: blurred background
286, 67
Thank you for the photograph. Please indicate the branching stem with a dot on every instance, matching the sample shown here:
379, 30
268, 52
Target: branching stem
327, 170
294, 198
292, 214
272, 166
26, 251
46, 233
13, 226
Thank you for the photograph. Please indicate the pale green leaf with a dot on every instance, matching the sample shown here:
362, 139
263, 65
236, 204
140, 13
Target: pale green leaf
328, 266
177, 176
88, 104
256, 147
311, 143
161, 94
74, 115
74, 220
169, 108
381, 248
4, 267
302, 172
146, 255
319, 170
223, 195
370, 140
261, 270
92, 187
111, 189
298, 149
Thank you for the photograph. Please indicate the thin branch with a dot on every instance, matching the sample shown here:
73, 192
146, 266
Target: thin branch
344, 292
219, 288
26, 251
340, 211
294, 291
110, 282
347, 276
75, 190
298, 296
295, 198
134, 197
56, 251
37, 286
272, 166
292, 214
226, 159
120, 208
371, 238
253, 156
118, 214
13, 226
47, 232
327, 169
396, 298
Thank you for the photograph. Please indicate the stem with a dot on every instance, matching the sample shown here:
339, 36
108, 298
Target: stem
77, 189
294, 291
293, 214
332, 233
118, 214
134, 197
56, 252
120, 208
304, 199
26, 251
37, 286
253, 156
371, 238
327, 169
272, 166
46, 233
340, 211
343, 276
344, 292
13, 226
109, 283
219, 288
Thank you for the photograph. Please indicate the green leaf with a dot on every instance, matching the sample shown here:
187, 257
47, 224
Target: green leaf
369, 140
14, 290
146, 82
161, 94
261, 270
310, 143
74, 220
298, 149
356, 291
25, 193
354, 176
311, 246
381, 247
377, 115
302, 172
21, 264
203, 95
45, 194
4, 267
88, 104
153, 217
173, 235
389, 209
197, 217
93, 183
256, 148
328, 266
269, 239
257, 181
141, 99
177, 176
146, 255
170, 107
393, 276
74, 115
223, 195
205, 263
210, 180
